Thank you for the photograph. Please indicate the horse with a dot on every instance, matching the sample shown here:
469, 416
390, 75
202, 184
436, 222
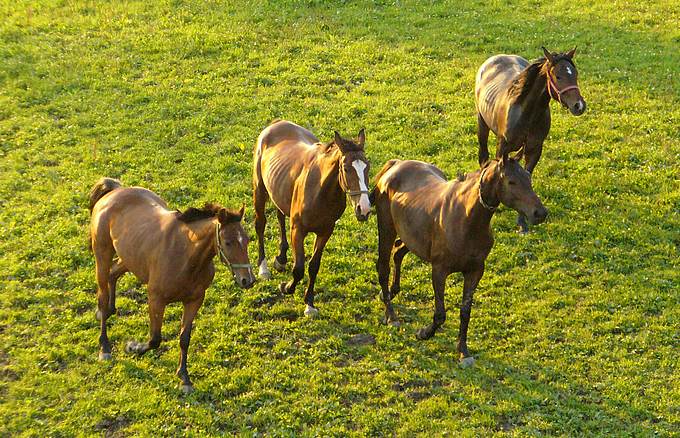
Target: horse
308, 182
170, 251
512, 98
446, 223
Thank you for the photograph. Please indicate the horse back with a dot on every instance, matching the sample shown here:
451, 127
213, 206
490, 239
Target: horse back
137, 223
492, 83
283, 152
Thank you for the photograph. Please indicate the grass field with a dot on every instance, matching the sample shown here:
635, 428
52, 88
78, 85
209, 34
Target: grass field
575, 327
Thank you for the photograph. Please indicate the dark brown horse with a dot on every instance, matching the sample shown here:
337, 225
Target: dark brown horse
308, 182
446, 223
513, 97
171, 252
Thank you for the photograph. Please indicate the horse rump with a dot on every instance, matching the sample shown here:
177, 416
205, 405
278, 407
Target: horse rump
101, 188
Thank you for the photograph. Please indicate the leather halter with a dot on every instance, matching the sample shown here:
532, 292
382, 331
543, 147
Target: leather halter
223, 257
553, 86
481, 200
357, 192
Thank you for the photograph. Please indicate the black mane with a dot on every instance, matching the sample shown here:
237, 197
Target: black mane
209, 210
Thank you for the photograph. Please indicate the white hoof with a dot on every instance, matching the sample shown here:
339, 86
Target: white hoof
263, 272
467, 362
186, 389
104, 356
311, 311
278, 266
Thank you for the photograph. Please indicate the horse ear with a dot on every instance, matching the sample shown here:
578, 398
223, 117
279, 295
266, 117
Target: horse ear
361, 137
570, 54
338, 138
549, 56
242, 211
222, 215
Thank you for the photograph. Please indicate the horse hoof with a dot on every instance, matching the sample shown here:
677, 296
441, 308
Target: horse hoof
104, 356
422, 334
283, 288
186, 389
395, 323
133, 347
265, 275
278, 266
467, 362
311, 311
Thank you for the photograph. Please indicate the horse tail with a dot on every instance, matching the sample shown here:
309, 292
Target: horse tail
101, 188
382, 171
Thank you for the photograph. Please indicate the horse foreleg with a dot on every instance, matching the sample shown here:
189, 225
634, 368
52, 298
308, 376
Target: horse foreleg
471, 280
398, 253
190, 311
532, 153
260, 197
386, 236
281, 260
439, 275
483, 138
314, 264
156, 311
298, 240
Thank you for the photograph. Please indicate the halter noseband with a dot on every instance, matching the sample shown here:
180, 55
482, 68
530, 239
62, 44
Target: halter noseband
223, 257
553, 86
357, 192
481, 200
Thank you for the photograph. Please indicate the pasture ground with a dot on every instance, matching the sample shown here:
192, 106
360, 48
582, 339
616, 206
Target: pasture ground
574, 327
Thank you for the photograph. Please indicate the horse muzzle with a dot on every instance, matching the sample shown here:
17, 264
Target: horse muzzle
578, 108
538, 215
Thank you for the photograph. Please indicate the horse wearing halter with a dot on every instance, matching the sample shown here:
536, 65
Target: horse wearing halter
223, 257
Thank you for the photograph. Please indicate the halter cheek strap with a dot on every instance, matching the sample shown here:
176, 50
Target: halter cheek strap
553, 86
481, 199
223, 257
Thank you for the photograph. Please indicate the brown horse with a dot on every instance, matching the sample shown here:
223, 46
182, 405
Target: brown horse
446, 223
308, 182
512, 98
171, 252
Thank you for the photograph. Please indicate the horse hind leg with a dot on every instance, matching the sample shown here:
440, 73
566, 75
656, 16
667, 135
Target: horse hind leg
103, 260
483, 139
386, 237
398, 253
281, 259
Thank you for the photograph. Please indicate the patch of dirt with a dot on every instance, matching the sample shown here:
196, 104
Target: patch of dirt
109, 426
361, 339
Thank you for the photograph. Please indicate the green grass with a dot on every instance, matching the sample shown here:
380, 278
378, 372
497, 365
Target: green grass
575, 327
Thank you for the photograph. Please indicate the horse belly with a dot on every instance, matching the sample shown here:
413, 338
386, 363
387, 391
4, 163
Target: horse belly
279, 183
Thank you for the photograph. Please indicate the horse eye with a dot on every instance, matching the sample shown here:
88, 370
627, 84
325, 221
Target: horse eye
512, 183
558, 77
227, 243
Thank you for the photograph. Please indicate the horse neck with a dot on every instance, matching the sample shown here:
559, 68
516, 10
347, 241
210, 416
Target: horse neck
329, 169
478, 217
201, 234
534, 94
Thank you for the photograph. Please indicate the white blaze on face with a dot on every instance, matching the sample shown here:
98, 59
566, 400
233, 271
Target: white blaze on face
569, 70
364, 204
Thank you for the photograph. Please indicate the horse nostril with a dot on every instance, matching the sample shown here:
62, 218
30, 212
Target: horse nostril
244, 282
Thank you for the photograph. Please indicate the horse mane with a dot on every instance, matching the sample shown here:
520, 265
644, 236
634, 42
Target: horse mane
209, 210
522, 84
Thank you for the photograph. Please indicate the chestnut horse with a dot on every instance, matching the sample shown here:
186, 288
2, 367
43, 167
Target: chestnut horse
171, 252
446, 223
308, 182
512, 98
